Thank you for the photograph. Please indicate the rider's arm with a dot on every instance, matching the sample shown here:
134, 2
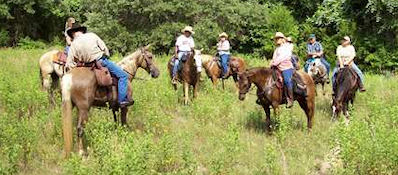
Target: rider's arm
71, 55
338, 51
309, 53
352, 55
102, 46
320, 52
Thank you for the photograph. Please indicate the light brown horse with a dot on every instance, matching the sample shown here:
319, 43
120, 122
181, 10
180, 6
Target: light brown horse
269, 95
318, 72
188, 75
80, 89
210, 64
50, 73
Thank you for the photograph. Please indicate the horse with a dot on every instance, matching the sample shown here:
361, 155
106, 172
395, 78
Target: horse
344, 90
318, 72
213, 70
188, 75
270, 95
80, 89
50, 73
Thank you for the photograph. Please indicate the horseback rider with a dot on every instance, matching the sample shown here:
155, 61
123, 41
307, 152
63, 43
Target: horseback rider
223, 48
89, 48
315, 50
184, 45
346, 54
295, 58
68, 39
281, 59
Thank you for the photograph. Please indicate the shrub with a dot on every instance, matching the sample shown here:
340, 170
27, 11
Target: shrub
27, 43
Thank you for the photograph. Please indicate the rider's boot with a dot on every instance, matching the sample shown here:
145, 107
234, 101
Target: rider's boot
289, 98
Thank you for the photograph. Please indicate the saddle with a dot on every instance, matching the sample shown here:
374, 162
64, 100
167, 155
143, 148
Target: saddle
108, 84
60, 58
299, 86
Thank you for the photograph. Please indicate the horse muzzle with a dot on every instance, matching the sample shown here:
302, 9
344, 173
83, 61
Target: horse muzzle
155, 72
242, 96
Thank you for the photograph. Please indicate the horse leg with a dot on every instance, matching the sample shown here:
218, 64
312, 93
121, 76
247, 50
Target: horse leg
195, 90
82, 120
346, 114
186, 93
267, 111
323, 89
308, 108
214, 81
124, 116
114, 115
223, 84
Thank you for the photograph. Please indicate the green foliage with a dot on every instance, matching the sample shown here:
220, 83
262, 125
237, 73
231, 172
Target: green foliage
27, 43
4, 38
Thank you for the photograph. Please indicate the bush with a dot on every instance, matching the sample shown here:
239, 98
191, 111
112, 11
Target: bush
4, 37
27, 43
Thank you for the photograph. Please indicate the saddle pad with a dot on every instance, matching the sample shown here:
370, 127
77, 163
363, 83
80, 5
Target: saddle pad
59, 58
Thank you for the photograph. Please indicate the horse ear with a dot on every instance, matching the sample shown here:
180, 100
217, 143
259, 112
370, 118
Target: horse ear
201, 49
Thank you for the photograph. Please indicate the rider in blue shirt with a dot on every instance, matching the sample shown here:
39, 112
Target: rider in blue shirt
315, 50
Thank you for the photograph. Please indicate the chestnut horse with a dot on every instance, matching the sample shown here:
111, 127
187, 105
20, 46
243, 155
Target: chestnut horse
50, 73
318, 72
188, 75
344, 91
80, 89
210, 64
270, 95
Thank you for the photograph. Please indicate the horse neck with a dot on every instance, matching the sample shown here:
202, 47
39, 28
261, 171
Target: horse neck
346, 81
130, 63
259, 78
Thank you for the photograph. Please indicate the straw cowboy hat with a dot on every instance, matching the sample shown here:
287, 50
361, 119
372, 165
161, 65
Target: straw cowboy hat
279, 35
76, 27
188, 29
223, 35
347, 38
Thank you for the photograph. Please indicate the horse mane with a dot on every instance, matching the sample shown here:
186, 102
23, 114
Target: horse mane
129, 62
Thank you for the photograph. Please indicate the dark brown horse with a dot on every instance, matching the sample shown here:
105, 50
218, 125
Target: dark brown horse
80, 89
344, 90
188, 75
270, 95
210, 64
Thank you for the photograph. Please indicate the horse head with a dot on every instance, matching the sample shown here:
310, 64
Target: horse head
345, 82
244, 84
145, 61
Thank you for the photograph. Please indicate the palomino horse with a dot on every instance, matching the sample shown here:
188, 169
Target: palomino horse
318, 73
213, 70
344, 90
270, 95
50, 73
188, 75
80, 89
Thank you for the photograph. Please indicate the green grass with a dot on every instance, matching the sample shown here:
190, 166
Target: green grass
215, 134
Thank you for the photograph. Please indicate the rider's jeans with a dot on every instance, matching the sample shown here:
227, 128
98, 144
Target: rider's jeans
224, 63
121, 75
287, 78
177, 61
355, 68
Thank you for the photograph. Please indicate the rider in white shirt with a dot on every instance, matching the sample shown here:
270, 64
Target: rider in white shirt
184, 45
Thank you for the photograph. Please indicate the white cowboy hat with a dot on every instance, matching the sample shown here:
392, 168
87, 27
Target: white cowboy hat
279, 35
347, 38
188, 29
223, 35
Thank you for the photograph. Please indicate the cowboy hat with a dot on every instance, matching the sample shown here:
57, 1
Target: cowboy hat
347, 38
223, 35
279, 35
188, 29
76, 27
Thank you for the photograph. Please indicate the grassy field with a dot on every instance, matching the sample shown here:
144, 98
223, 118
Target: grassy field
215, 134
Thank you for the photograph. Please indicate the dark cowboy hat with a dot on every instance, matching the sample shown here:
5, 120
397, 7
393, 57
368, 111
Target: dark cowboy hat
76, 27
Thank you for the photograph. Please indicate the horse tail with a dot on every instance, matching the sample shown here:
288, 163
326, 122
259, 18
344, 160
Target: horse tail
41, 77
67, 113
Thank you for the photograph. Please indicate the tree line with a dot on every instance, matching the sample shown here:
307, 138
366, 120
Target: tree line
128, 24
